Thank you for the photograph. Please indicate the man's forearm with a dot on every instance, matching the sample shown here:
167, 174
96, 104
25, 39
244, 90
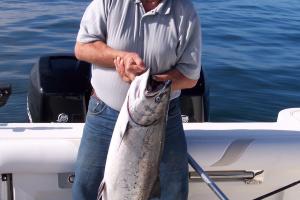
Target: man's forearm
179, 81
100, 54
183, 83
97, 53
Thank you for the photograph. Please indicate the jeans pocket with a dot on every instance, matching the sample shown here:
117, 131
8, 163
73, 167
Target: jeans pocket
96, 106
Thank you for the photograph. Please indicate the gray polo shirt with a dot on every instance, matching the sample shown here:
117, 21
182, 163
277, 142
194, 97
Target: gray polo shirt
167, 37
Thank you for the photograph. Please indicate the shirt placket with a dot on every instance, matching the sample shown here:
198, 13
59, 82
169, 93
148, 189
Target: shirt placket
141, 37
143, 23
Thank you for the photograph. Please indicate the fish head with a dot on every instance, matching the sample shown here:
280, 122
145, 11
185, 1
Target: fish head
149, 99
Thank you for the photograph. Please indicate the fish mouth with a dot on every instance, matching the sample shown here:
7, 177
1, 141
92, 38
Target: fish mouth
154, 87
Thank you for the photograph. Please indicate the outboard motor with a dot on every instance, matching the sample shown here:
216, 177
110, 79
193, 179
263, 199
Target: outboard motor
59, 89
194, 102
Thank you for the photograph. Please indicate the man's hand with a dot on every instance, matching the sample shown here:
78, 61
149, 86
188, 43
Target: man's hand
129, 66
120, 68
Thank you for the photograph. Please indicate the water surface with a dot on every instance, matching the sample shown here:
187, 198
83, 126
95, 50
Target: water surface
250, 56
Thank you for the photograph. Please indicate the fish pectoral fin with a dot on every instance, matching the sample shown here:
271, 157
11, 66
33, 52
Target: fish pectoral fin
155, 192
123, 130
101, 190
123, 134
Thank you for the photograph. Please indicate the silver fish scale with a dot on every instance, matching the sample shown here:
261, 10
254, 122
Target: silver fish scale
147, 162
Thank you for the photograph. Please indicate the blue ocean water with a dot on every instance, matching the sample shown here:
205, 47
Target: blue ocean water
251, 52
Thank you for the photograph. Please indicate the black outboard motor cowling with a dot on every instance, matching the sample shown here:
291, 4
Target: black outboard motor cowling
59, 89
194, 102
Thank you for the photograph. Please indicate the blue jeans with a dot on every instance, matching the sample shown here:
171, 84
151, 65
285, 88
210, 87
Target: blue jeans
98, 129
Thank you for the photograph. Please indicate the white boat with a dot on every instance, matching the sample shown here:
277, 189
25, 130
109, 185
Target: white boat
246, 160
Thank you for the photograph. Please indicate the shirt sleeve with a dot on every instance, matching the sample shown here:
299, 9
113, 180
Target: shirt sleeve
93, 26
189, 48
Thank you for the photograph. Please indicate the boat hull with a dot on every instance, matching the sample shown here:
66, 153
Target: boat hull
246, 160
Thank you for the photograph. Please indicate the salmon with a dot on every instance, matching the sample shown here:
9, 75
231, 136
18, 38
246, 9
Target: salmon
132, 166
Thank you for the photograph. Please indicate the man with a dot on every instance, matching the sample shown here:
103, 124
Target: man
121, 39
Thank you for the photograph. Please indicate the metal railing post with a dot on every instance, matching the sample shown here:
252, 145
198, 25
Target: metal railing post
7, 178
206, 178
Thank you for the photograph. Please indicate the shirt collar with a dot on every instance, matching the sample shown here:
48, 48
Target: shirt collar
163, 8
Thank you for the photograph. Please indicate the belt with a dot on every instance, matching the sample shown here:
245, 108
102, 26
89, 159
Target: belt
93, 93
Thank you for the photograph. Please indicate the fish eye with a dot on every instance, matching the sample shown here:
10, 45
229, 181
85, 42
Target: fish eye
157, 99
